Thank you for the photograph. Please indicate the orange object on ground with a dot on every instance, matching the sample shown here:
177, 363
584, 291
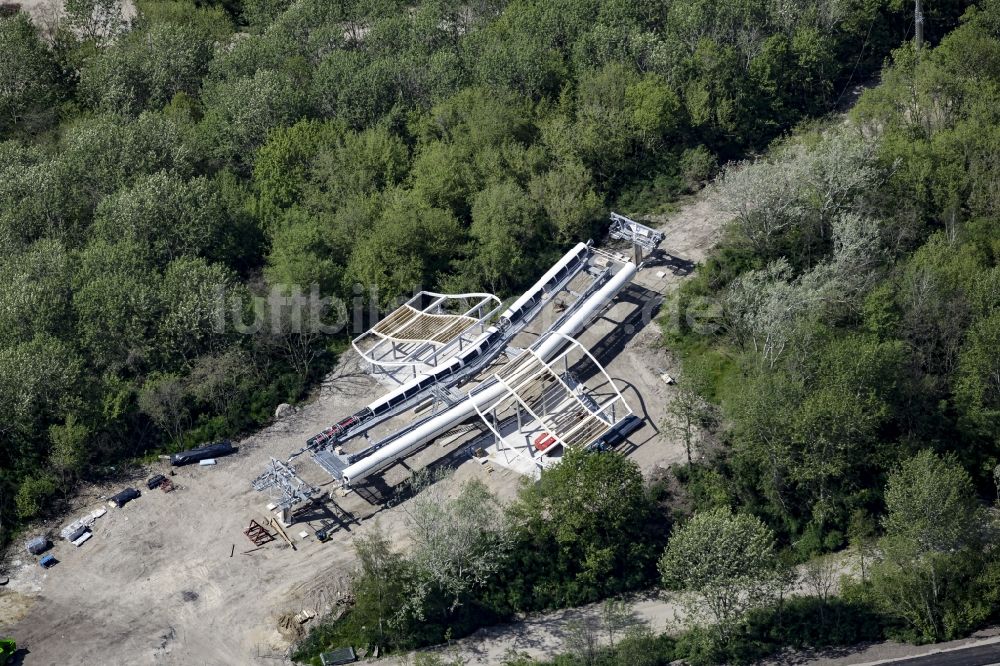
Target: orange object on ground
544, 441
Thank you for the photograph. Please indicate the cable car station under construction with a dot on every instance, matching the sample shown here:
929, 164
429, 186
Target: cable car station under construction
515, 386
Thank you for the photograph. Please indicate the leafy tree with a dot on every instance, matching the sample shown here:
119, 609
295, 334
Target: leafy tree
410, 245
260, 13
34, 494
381, 589
570, 200
442, 175
96, 21
352, 86
117, 304
689, 412
797, 193
294, 328
239, 113
164, 399
69, 453
101, 155
35, 292
165, 214
458, 543
192, 320
861, 532
591, 519
616, 616
283, 163
147, 68
519, 52
356, 165
38, 380
27, 76
920, 494
977, 388
932, 549
728, 560
309, 249
221, 382
507, 228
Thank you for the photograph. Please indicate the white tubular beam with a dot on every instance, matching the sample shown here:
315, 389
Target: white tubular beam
587, 310
567, 258
457, 360
428, 430
409, 441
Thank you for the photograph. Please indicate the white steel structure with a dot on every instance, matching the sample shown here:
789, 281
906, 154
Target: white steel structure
285, 487
402, 443
463, 365
429, 329
546, 407
641, 236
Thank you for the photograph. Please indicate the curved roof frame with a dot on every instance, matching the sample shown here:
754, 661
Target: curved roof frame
524, 374
415, 335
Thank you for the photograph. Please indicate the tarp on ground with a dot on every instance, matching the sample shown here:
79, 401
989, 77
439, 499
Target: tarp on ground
124, 497
37, 545
76, 528
225, 447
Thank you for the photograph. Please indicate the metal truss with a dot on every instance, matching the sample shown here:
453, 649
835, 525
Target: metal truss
281, 482
641, 236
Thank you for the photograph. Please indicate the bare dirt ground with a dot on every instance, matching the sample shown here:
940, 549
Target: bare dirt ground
157, 583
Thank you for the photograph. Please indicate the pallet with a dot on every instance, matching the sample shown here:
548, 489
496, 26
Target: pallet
257, 534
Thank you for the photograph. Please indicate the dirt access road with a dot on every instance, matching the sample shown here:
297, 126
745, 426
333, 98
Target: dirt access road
157, 585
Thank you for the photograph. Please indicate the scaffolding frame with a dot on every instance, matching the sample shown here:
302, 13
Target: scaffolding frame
424, 332
641, 236
556, 404
285, 487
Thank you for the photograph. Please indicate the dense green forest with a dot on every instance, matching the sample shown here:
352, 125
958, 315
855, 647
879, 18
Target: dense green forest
183, 195
160, 178
849, 331
857, 298
843, 345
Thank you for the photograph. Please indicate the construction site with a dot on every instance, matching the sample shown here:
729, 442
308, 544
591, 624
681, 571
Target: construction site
234, 563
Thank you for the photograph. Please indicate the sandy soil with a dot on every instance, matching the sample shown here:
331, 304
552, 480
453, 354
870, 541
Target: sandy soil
157, 585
